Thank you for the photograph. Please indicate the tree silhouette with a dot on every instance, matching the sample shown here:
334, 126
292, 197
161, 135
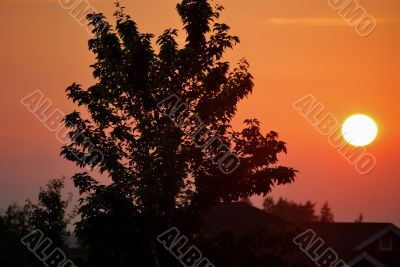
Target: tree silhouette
14, 223
360, 218
160, 173
246, 200
297, 212
49, 214
326, 214
258, 247
291, 211
268, 204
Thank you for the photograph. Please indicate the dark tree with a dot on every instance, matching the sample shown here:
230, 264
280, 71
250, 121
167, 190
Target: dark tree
17, 218
360, 218
326, 214
258, 247
164, 170
246, 200
14, 224
49, 214
268, 204
291, 211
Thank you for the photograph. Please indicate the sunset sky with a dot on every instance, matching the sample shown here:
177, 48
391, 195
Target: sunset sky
295, 48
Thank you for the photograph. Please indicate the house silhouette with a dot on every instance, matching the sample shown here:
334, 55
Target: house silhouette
357, 244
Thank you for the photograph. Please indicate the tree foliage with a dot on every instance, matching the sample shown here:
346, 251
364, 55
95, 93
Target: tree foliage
14, 223
159, 177
291, 211
50, 213
326, 214
258, 247
298, 212
360, 218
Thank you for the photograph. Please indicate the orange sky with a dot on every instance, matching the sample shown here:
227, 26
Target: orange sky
295, 48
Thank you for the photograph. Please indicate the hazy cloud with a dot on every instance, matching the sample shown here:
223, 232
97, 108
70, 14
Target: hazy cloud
314, 21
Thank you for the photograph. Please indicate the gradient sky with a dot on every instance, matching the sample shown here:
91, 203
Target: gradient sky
295, 48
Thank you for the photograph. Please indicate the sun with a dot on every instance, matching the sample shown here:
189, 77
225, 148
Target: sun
359, 130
